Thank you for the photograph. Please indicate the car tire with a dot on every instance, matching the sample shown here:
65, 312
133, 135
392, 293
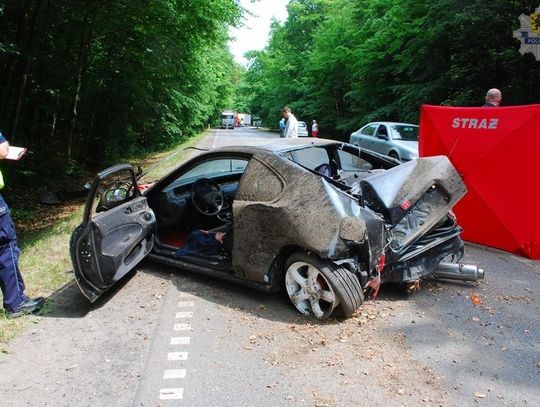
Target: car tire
317, 287
393, 154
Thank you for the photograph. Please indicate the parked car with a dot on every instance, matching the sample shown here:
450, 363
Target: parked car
396, 140
302, 129
324, 220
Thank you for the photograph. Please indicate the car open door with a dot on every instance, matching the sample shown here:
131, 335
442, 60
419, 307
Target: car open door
116, 233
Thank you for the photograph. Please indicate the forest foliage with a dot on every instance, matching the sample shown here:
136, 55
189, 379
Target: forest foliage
346, 63
85, 82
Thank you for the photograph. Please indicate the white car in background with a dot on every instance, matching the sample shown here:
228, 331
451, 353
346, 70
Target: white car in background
397, 140
302, 129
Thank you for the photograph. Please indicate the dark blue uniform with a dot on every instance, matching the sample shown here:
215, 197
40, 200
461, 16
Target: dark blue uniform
11, 281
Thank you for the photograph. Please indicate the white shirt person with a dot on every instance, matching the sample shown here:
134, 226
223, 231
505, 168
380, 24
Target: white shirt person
291, 129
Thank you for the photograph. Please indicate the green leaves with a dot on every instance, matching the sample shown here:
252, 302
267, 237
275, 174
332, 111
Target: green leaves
139, 75
345, 63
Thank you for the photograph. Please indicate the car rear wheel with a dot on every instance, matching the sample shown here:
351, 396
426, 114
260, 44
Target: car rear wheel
393, 154
316, 287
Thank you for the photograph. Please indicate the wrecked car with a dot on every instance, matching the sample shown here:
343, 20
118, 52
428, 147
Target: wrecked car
327, 221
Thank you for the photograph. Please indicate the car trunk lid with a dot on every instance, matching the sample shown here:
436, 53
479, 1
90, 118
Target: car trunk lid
414, 197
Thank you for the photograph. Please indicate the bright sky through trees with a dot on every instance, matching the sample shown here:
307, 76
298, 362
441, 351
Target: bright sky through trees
253, 35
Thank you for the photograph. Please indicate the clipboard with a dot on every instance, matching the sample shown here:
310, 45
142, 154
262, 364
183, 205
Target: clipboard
15, 153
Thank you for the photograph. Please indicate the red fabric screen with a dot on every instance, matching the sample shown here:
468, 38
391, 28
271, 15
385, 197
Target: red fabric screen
497, 152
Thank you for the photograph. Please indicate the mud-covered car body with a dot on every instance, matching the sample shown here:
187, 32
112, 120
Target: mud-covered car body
327, 220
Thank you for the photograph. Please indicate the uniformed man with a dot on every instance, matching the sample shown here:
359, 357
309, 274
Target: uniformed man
16, 303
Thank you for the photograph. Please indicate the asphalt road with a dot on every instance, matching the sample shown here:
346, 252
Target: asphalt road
167, 338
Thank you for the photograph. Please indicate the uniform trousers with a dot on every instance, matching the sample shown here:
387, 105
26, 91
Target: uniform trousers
11, 281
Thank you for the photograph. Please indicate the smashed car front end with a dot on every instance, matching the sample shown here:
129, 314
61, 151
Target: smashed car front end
383, 222
415, 200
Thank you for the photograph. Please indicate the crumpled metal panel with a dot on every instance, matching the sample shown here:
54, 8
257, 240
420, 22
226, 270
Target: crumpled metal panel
394, 191
307, 213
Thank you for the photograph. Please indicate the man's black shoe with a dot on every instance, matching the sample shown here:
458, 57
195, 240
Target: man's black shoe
27, 307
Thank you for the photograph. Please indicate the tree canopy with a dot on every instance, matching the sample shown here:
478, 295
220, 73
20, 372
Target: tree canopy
83, 82
345, 62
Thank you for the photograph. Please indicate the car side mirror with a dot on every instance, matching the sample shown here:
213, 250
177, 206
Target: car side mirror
115, 195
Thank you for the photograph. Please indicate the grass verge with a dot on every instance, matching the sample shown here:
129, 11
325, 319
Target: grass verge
45, 262
45, 266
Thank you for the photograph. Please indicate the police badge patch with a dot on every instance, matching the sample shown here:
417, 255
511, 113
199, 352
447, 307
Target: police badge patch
529, 34
535, 21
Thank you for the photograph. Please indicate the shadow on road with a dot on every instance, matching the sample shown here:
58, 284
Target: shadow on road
270, 306
69, 302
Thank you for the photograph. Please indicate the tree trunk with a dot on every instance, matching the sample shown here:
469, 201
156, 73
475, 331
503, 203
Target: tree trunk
22, 88
97, 98
83, 50
13, 58
54, 117
24, 77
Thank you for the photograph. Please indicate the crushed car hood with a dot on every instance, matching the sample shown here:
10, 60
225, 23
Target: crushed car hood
414, 196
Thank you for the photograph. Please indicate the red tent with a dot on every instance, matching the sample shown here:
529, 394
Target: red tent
497, 152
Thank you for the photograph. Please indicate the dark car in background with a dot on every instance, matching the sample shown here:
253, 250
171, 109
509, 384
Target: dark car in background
396, 140
326, 221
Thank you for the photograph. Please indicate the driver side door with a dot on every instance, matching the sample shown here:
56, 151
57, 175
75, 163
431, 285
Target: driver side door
116, 233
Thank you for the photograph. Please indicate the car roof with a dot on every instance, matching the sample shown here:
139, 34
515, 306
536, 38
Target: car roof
278, 145
392, 123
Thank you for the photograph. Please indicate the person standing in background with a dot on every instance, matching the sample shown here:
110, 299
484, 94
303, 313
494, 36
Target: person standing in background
314, 129
493, 98
291, 129
16, 303
282, 127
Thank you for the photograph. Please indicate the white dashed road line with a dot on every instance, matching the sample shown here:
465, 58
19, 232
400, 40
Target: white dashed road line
182, 327
180, 340
178, 355
171, 394
174, 374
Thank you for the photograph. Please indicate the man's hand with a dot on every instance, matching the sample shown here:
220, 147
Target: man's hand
219, 237
4, 149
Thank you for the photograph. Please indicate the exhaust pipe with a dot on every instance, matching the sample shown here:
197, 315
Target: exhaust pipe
459, 271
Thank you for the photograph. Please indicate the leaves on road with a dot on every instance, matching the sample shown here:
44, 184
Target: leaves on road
475, 299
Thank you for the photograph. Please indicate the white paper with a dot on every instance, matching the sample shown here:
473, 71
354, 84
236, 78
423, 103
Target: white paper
15, 153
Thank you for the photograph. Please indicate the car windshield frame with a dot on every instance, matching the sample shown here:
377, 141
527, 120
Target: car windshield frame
207, 169
312, 157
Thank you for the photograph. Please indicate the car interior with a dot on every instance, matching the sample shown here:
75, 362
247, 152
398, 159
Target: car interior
198, 199
338, 165
382, 132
